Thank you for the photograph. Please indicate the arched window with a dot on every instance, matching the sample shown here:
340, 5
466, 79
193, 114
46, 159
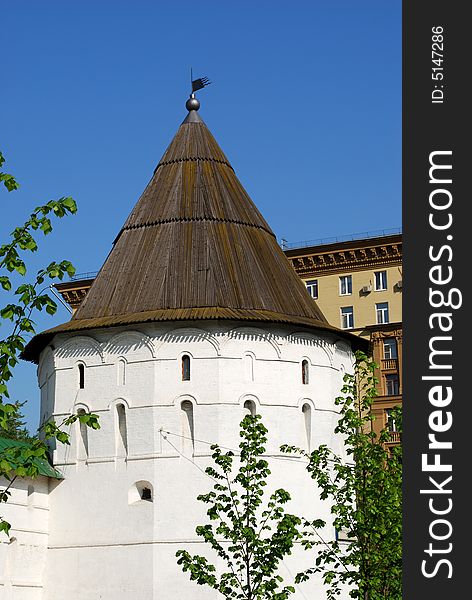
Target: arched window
250, 406
188, 434
306, 411
305, 372
82, 442
122, 432
121, 371
249, 367
141, 490
81, 376
185, 367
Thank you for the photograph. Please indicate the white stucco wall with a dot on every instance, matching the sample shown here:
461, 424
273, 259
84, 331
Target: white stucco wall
23, 554
106, 543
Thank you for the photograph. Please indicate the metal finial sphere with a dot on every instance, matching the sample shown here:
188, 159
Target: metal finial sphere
192, 104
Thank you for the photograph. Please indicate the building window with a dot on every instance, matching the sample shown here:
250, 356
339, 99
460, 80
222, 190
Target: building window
345, 285
248, 367
381, 311
83, 445
141, 490
312, 287
390, 421
390, 348
81, 376
121, 371
185, 367
392, 385
305, 372
343, 535
122, 433
188, 428
250, 406
380, 281
306, 411
347, 317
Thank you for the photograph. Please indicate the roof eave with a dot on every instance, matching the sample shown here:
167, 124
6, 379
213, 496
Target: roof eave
34, 348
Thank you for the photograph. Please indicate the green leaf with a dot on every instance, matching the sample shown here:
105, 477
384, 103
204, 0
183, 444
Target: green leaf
5, 527
9, 181
7, 312
5, 283
70, 204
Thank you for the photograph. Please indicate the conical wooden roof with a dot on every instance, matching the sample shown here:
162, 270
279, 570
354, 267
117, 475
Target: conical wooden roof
194, 247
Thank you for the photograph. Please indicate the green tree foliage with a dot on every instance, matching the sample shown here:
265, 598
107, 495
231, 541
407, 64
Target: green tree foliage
23, 301
365, 498
8, 180
250, 536
14, 426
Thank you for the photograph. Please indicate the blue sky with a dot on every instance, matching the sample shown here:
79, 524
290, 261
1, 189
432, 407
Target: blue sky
305, 102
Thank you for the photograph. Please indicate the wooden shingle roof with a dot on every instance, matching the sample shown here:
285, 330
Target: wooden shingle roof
194, 247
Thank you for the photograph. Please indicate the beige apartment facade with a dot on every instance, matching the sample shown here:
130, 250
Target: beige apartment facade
358, 286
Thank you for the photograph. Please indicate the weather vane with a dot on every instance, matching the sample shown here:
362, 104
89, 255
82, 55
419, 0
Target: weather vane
198, 84
193, 103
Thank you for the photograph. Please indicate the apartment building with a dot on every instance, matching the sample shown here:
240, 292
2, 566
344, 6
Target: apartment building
357, 284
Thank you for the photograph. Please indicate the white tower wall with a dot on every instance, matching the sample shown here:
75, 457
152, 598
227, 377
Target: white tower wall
23, 554
104, 540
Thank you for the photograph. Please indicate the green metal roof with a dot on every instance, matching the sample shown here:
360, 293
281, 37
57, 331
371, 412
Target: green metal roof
44, 468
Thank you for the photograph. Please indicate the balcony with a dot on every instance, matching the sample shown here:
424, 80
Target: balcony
389, 364
394, 437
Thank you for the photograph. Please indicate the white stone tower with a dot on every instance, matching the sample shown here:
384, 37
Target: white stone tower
195, 318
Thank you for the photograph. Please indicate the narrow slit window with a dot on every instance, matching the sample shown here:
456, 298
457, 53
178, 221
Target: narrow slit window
83, 446
81, 376
122, 441
306, 410
121, 372
305, 372
185, 367
188, 428
249, 367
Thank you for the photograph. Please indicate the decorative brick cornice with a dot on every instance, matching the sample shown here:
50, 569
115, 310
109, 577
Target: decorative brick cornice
353, 259
380, 335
